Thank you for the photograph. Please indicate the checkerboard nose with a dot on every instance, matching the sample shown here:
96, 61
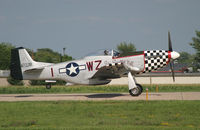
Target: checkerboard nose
174, 55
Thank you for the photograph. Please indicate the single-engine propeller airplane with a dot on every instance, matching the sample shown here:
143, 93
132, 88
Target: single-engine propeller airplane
93, 70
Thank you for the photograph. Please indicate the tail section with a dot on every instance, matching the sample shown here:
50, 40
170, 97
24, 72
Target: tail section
15, 66
23, 66
25, 59
21, 62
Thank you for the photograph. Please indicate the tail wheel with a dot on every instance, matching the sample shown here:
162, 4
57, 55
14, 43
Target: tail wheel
136, 91
48, 86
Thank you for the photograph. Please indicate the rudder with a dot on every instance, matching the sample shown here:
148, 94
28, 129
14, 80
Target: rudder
15, 66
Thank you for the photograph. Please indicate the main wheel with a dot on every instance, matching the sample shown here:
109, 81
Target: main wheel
140, 87
48, 86
136, 91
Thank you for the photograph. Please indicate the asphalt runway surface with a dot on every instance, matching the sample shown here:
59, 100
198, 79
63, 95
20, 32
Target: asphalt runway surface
100, 96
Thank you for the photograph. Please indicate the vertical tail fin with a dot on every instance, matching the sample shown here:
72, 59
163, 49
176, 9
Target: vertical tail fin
20, 60
15, 65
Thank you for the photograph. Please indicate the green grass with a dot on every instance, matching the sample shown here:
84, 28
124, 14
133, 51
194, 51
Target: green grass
100, 115
95, 89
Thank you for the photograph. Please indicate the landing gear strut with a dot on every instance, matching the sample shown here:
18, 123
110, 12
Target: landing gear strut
134, 88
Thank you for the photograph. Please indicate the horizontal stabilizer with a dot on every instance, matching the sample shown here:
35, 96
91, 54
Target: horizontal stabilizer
34, 70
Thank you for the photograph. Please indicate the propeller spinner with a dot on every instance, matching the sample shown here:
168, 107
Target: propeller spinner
174, 55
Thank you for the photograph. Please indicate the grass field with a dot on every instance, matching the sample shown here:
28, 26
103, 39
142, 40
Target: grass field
95, 89
100, 115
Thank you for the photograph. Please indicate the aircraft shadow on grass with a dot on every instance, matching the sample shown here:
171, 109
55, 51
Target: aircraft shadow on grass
109, 95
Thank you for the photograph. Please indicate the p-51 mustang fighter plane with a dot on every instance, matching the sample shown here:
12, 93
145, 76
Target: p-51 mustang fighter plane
93, 70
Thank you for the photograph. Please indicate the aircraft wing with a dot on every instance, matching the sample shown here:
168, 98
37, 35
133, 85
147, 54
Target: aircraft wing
111, 71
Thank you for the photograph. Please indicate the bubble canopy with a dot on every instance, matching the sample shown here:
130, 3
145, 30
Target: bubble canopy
104, 52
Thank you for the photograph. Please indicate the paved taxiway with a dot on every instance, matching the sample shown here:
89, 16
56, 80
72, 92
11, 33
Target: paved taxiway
99, 97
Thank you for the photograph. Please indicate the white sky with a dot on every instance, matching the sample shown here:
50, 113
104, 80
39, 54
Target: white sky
83, 26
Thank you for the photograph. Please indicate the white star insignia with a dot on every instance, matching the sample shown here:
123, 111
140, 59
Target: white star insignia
72, 69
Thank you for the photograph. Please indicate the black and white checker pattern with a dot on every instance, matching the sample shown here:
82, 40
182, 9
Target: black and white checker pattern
155, 59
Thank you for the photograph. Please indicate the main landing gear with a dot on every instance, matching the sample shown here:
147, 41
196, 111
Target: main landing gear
134, 88
136, 91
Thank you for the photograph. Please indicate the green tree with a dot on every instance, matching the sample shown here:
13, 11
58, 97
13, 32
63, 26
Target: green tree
5, 55
196, 45
48, 55
185, 58
5, 51
126, 48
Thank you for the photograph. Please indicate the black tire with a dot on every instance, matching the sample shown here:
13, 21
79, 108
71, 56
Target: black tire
140, 87
136, 91
48, 86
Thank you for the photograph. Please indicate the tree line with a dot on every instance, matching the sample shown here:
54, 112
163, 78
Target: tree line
41, 55
50, 56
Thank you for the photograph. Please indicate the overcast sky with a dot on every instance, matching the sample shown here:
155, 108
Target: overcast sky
83, 26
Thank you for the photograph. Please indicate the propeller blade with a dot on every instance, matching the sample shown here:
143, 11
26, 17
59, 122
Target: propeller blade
172, 69
169, 42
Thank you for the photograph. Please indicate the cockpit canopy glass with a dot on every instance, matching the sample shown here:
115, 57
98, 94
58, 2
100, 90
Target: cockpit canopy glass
105, 52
